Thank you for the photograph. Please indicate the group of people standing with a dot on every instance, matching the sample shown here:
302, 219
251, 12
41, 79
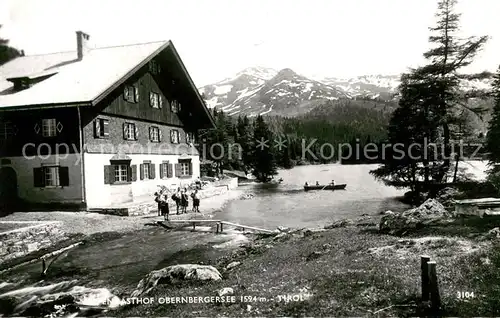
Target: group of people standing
181, 199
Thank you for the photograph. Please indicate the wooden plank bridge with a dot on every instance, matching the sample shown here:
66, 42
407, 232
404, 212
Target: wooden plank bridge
480, 207
220, 225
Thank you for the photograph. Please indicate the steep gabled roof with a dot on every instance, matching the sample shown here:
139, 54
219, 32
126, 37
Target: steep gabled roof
80, 82
76, 81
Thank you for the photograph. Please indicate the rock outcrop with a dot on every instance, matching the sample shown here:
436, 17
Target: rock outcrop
176, 273
428, 213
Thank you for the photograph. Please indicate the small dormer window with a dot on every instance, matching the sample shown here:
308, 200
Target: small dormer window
21, 83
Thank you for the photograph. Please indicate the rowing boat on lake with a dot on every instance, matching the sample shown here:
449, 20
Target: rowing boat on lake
325, 187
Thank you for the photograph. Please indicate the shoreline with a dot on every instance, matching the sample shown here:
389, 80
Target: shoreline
89, 223
340, 270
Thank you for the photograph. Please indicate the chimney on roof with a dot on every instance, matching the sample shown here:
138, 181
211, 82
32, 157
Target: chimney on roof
82, 44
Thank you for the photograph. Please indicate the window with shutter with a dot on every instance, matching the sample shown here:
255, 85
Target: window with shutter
136, 95
190, 168
160, 135
134, 173
136, 133
131, 94
162, 174
126, 93
125, 131
129, 173
38, 177
169, 170
177, 170
105, 128
152, 171
97, 128
141, 171
64, 176
160, 100
109, 174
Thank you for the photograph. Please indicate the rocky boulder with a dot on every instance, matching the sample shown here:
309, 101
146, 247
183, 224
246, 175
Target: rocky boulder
429, 212
175, 273
493, 234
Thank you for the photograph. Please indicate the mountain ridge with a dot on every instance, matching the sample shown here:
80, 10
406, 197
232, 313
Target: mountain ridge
260, 90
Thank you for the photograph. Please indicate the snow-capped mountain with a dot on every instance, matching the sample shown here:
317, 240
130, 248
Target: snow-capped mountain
260, 90
376, 86
266, 91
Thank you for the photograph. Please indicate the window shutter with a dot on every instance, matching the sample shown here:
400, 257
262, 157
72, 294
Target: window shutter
160, 101
151, 99
125, 130
38, 127
38, 177
125, 93
133, 173
141, 172
160, 135
150, 133
152, 172
129, 173
169, 170
162, 166
177, 169
172, 136
136, 132
136, 95
105, 128
109, 174
190, 168
64, 176
97, 128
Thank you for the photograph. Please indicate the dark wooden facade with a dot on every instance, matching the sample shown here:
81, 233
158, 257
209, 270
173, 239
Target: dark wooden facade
26, 137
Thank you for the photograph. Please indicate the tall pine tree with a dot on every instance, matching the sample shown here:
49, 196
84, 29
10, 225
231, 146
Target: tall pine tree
430, 96
264, 165
493, 136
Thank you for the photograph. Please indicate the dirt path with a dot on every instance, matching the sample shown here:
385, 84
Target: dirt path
91, 223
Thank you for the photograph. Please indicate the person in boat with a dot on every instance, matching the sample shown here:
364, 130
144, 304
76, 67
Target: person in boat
306, 184
333, 183
317, 183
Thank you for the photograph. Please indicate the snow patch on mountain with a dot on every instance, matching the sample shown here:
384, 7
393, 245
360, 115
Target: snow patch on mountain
259, 90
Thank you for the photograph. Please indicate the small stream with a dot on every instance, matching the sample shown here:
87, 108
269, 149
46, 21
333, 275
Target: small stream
97, 276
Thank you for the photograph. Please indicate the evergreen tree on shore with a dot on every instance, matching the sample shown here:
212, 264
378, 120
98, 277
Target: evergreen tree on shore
245, 136
264, 160
493, 137
431, 97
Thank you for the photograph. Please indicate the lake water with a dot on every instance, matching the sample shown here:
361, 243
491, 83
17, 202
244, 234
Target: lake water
289, 205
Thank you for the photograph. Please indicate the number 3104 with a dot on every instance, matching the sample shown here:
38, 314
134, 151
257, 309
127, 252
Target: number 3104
465, 295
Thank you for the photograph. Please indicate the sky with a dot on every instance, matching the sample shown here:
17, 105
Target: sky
218, 38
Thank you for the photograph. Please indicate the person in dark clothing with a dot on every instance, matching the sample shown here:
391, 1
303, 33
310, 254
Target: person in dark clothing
196, 201
157, 200
184, 201
177, 199
165, 211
